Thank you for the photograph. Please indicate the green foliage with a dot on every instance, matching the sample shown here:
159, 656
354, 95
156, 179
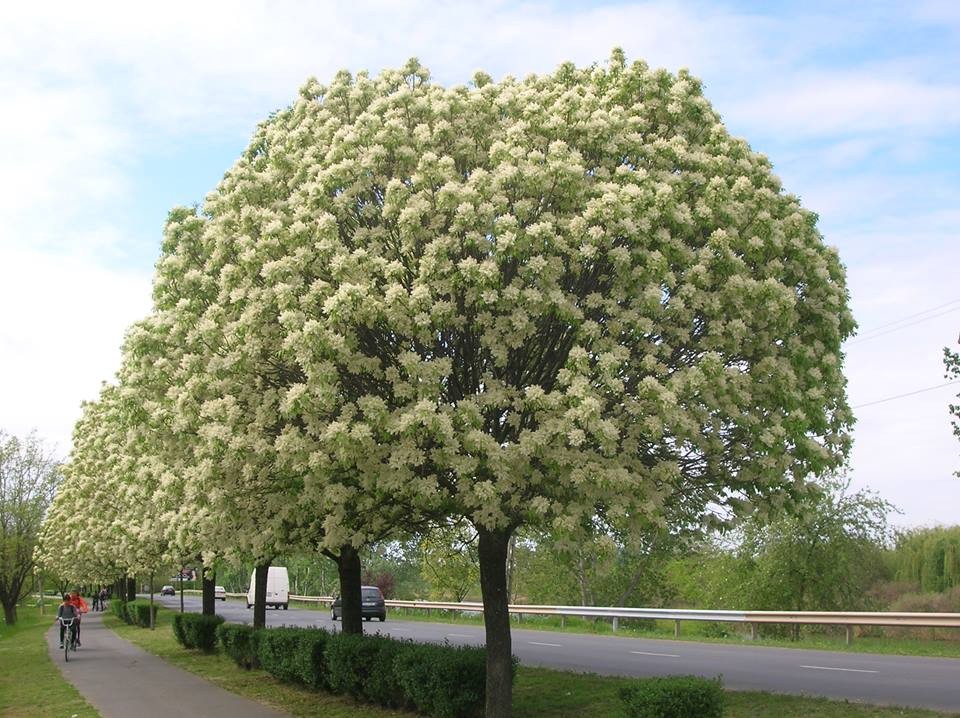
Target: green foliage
138, 612
239, 641
119, 609
951, 365
277, 651
673, 697
29, 476
443, 681
449, 562
311, 658
929, 557
824, 555
364, 667
194, 630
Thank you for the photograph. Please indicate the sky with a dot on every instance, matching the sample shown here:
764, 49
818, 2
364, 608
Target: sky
115, 112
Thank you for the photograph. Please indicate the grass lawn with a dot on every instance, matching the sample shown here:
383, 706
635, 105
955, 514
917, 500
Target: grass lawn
538, 692
30, 684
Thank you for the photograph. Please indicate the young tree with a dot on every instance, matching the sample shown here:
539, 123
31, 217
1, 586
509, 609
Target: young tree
29, 476
823, 556
520, 303
951, 363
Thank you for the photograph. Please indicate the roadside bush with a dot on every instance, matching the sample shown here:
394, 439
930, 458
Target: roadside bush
364, 667
194, 630
673, 697
138, 612
277, 651
119, 609
311, 658
239, 641
443, 681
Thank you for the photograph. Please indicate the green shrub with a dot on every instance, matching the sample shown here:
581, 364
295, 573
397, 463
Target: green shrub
138, 612
119, 609
240, 643
310, 660
673, 697
364, 667
178, 629
277, 651
443, 681
194, 630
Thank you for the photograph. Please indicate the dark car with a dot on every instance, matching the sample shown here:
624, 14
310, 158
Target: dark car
167, 591
371, 606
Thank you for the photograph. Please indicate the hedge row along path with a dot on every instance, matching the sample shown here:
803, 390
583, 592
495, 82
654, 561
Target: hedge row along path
121, 680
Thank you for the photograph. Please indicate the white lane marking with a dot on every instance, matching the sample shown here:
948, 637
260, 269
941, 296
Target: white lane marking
552, 645
848, 670
664, 655
460, 635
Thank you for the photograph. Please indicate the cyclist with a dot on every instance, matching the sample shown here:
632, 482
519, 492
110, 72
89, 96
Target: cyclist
78, 603
67, 610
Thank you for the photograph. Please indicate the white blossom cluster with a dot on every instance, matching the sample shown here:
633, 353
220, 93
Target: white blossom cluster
522, 301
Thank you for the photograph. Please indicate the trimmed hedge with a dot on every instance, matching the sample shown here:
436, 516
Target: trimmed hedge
673, 697
138, 612
240, 643
311, 659
194, 630
365, 667
443, 681
278, 650
119, 609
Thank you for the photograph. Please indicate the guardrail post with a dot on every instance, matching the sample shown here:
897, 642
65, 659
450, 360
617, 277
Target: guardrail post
753, 631
676, 629
616, 623
849, 634
563, 621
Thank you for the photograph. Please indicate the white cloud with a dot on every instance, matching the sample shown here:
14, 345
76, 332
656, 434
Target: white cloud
63, 323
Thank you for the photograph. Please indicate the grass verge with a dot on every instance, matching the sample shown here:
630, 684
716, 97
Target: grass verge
30, 684
538, 692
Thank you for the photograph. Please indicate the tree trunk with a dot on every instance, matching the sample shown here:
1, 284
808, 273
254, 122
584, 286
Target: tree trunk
209, 598
131, 588
10, 612
260, 595
151, 603
348, 568
496, 620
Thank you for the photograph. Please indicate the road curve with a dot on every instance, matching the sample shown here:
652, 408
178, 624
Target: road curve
864, 677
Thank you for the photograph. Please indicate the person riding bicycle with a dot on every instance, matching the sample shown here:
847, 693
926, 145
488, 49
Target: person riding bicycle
77, 602
68, 611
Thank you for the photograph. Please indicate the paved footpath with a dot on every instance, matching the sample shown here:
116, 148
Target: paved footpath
121, 680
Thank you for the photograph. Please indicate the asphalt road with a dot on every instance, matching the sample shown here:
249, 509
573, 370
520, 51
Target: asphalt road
867, 678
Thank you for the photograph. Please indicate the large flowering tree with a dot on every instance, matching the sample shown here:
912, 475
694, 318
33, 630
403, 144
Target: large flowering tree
529, 302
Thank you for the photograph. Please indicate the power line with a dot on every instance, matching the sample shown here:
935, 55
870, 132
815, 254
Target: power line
911, 316
909, 393
874, 334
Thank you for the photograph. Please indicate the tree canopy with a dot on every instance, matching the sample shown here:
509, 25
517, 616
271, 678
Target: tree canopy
550, 301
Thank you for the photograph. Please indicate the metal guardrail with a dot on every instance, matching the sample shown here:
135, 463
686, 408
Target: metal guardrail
849, 619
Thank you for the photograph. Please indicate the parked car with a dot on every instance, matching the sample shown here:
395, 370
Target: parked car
167, 591
220, 592
372, 605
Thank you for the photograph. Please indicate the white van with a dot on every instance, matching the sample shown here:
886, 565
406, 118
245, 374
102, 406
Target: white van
278, 587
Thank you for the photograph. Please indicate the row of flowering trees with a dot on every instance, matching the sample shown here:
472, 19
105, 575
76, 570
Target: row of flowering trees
552, 301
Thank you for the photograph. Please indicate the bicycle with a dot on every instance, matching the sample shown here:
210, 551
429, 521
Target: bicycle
70, 644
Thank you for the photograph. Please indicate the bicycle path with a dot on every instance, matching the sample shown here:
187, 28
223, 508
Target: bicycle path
121, 680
